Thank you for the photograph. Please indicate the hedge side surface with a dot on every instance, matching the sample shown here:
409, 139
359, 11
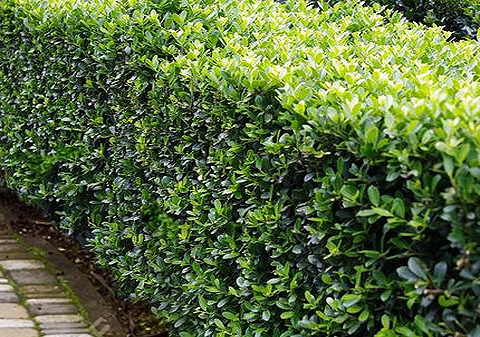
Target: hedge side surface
253, 168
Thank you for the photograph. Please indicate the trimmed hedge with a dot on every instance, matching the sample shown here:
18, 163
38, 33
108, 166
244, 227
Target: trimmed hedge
254, 168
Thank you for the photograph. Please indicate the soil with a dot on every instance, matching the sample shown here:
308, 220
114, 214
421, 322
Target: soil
136, 318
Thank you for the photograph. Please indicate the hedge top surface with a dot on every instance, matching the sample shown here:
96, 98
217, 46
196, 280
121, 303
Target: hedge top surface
336, 65
330, 50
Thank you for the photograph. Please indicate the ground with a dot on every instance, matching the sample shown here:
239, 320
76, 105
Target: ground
135, 318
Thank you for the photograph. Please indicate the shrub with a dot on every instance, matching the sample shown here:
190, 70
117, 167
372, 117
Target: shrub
254, 168
458, 16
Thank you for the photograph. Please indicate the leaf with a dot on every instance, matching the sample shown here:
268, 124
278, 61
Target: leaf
392, 176
229, 315
443, 147
366, 212
149, 36
353, 328
373, 195
415, 265
404, 331
309, 297
222, 302
302, 92
349, 191
385, 321
202, 302
300, 108
399, 207
411, 301
326, 279
382, 212
371, 135
400, 243
242, 283
406, 273
219, 323
233, 291
439, 271
186, 334
180, 322
462, 153
475, 332
332, 303
354, 309
287, 315
351, 299
364, 315
309, 176
421, 323
380, 277
448, 165
385, 295
447, 302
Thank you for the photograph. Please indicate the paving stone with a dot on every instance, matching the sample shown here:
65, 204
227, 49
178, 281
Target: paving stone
55, 315
9, 297
48, 295
16, 255
39, 301
21, 264
53, 309
69, 335
50, 291
7, 241
36, 276
52, 306
58, 326
19, 332
15, 323
78, 331
6, 288
65, 331
13, 310
51, 319
30, 290
12, 247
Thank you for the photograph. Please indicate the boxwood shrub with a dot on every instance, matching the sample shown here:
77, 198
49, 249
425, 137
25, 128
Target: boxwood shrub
253, 168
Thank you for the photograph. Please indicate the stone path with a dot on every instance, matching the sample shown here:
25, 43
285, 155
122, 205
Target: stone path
34, 300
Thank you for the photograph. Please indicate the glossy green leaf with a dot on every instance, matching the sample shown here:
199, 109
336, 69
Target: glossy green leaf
439, 272
351, 299
416, 267
407, 274
374, 195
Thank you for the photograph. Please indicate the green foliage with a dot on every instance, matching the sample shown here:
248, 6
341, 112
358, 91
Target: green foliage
254, 168
459, 16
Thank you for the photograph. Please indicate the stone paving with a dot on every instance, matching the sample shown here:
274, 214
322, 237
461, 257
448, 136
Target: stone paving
34, 301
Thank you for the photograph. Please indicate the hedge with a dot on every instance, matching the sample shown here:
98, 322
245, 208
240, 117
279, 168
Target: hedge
462, 17
253, 168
